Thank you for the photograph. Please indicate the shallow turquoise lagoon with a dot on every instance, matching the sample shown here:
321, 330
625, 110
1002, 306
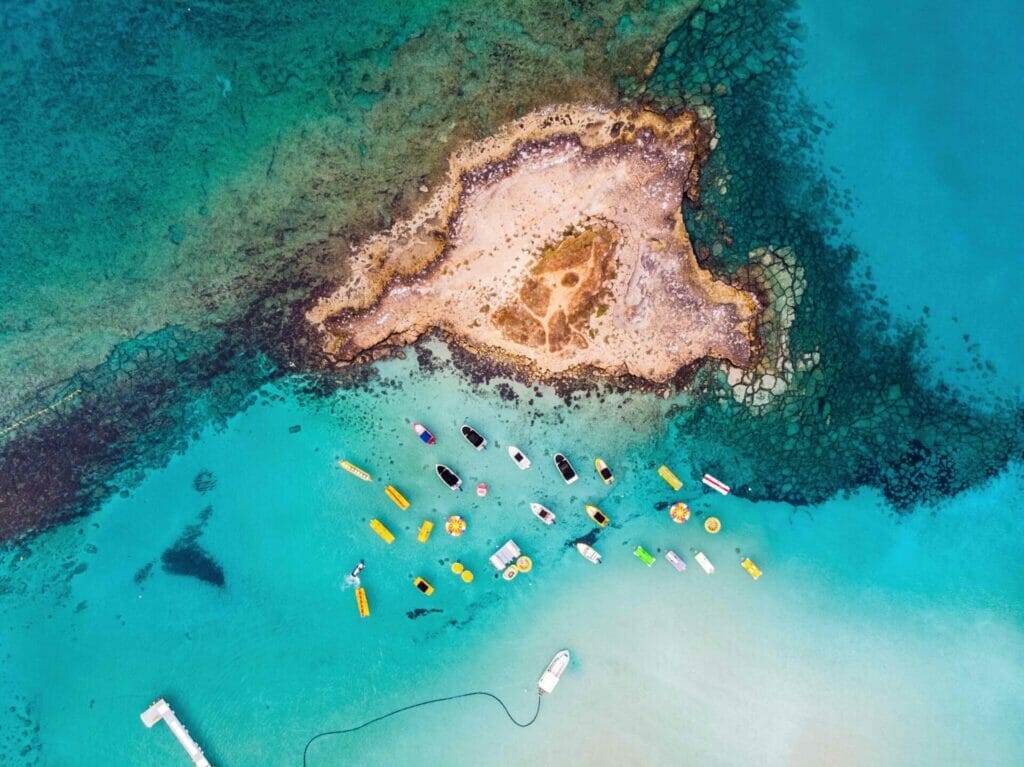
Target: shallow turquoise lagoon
869, 639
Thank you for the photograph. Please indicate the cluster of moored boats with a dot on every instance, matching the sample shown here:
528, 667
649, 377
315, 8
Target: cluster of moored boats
509, 559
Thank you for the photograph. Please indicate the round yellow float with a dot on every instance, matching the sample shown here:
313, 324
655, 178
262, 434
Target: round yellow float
455, 526
467, 576
712, 525
510, 573
458, 568
679, 512
524, 564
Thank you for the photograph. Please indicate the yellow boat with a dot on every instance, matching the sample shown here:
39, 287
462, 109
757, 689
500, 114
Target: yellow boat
425, 530
423, 585
750, 567
362, 603
351, 468
666, 474
378, 527
397, 497
603, 471
599, 517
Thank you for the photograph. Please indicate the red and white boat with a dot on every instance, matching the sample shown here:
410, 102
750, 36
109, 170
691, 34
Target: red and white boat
423, 433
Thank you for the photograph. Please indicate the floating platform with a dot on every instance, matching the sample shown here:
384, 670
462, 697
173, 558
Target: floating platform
425, 529
162, 710
716, 484
378, 527
751, 568
669, 476
399, 499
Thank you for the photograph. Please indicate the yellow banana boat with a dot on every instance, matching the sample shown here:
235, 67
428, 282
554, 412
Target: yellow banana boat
400, 501
362, 603
354, 470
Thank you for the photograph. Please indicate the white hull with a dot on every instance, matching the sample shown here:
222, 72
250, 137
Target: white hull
588, 553
553, 673
538, 512
521, 461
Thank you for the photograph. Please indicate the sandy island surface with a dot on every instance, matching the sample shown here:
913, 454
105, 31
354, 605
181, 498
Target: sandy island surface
556, 244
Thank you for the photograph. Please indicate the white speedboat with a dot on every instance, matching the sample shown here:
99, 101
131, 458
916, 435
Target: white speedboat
473, 437
518, 457
565, 469
543, 513
553, 673
588, 553
449, 477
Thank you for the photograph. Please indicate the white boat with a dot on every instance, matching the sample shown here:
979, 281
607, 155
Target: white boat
704, 562
449, 477
565, 469
675, 560
473, 437
543, 513
553, 672
505, 556
519, 457
588, 553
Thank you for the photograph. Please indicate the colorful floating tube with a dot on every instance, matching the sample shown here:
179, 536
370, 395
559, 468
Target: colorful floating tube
667, 474
362, 603
713, 525
378, 527
355, 471
400, 500
715, 484
679, 512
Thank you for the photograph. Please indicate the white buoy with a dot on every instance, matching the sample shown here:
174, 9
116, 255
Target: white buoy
481, 489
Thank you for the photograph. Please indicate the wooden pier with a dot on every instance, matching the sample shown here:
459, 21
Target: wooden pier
162, 710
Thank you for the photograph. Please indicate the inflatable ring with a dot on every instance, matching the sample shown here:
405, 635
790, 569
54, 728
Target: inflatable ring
679, 512
455, 526
458, 568
467, 576
524, 564
712, 525
510, 573
481, 489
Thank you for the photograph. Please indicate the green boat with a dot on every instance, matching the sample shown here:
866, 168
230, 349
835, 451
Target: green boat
643, 555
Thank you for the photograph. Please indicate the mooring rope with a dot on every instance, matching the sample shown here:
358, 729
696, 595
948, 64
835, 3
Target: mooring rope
32, 416
347, 730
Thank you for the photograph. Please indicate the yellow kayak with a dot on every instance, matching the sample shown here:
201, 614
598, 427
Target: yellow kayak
351, 468
397, 497
362, 603
378, 527
666, 474
750, 567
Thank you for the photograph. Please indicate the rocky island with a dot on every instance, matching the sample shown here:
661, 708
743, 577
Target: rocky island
556, 244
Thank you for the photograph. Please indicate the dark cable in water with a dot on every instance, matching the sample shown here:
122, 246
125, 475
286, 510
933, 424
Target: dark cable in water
500, 702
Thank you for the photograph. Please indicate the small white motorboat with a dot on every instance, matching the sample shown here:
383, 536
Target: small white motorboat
565, 469
473, 437
553, 673
543, 513
449, 477
518, 457
588, 553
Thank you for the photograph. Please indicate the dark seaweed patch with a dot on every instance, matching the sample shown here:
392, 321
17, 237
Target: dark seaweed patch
187, 557
419, 612
204, 481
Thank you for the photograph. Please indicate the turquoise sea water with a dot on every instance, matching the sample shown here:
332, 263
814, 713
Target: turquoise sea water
872, 638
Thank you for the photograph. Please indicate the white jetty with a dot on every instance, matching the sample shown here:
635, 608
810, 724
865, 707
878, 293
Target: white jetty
162, 710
